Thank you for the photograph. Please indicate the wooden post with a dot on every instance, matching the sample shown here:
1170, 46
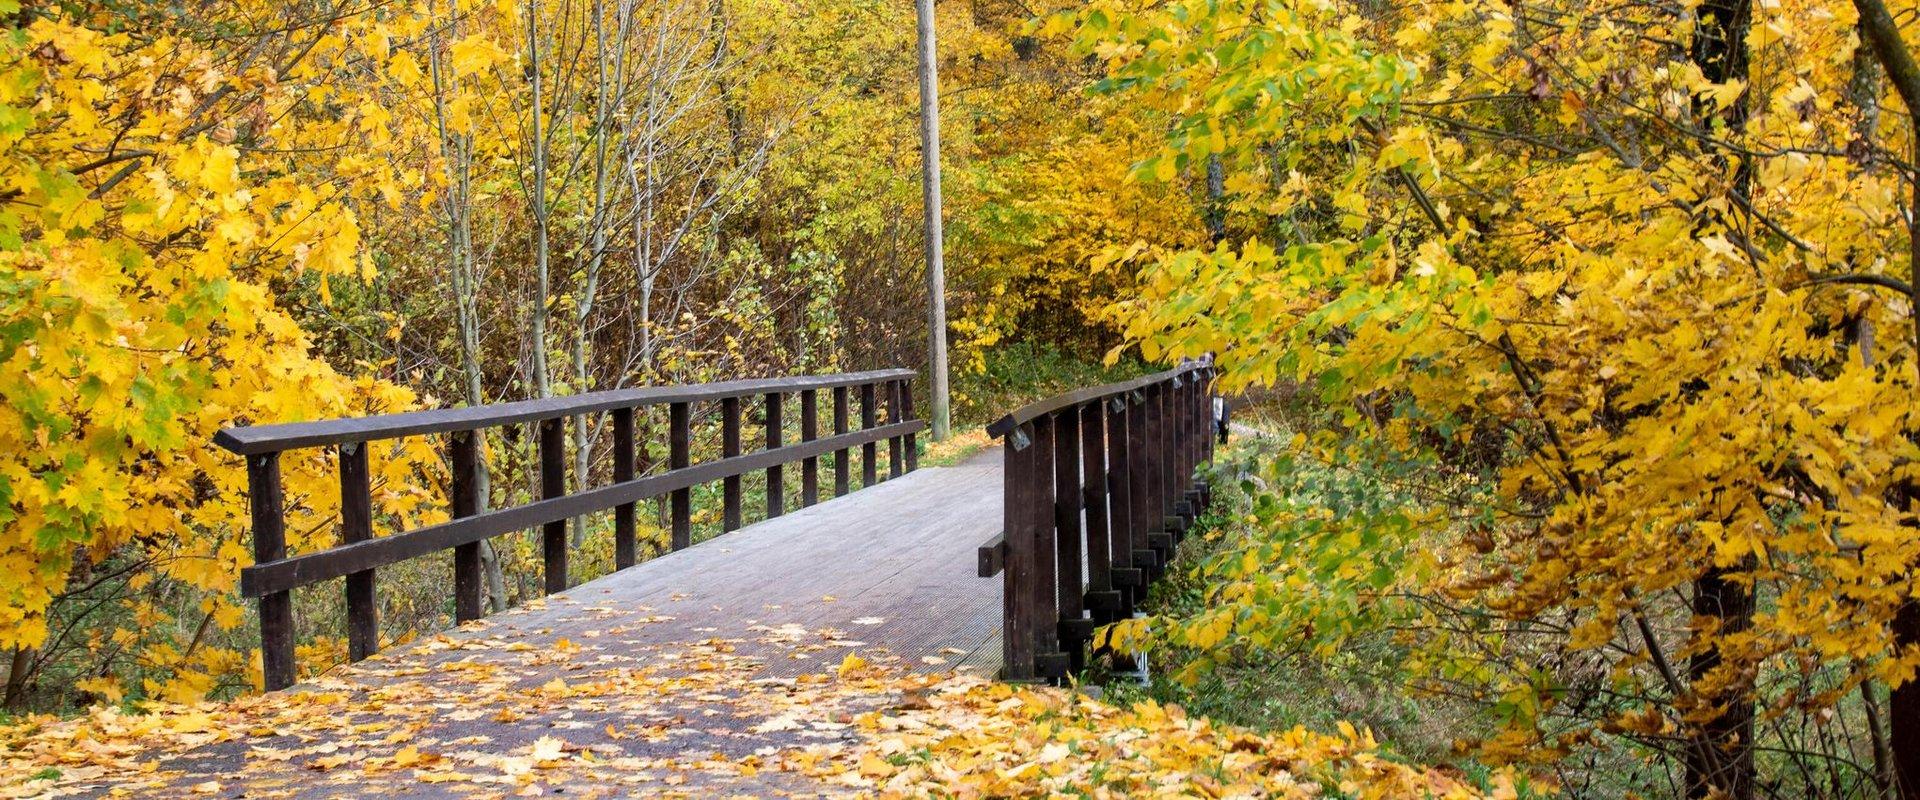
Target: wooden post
1093, 494
1069, 568
895, 458
267, 502
906, 410
1044, 585
679, 434
776, 474
1120, 502
356, 525
729, 447
553, 483
1020, 491
869, 452
463, 455
809, 431
842, 468
625, 535
1170, 486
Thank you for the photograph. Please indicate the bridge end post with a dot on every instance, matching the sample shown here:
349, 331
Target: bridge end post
1019, 614
906, 411
266, 501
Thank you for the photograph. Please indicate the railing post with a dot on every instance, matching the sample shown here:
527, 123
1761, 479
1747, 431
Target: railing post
842, 467
463, 456
906, 411
625, 536
356, 525
266, 500
679, 436
729, 447
1019, 493
869, 452
553, 483
809, 431
776, 474
895, 458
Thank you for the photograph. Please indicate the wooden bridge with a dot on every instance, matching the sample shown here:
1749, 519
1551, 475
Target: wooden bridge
1076, 514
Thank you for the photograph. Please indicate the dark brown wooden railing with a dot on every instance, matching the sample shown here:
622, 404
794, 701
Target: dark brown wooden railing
359, 554
1099, 489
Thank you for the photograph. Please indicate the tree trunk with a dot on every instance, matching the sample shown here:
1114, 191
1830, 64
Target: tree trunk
1903, 705
1719, 759
942, 415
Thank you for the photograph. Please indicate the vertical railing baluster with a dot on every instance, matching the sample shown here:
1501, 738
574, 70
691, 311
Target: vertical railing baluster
776, 474
869, 452
356, 525
809, 431
553, 483
1169, 483
842, 467
1141, 519
1101, 599
1049, 662
729, 447
895, 458
267, 502
1019, 494
679, 447
625, 535
1069, 537
1160, 471
906, 412
1127, 577
1180, 476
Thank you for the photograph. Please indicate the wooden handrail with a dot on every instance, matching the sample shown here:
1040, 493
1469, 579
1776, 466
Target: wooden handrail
278, 437
1099, 488
1079, 397
274, 573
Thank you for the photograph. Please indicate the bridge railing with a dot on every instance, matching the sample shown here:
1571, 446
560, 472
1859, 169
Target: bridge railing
275, 573
1099, 489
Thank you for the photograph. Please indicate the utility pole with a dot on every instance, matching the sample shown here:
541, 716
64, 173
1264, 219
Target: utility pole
930, 190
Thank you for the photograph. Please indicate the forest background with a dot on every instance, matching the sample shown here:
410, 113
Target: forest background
1595, 322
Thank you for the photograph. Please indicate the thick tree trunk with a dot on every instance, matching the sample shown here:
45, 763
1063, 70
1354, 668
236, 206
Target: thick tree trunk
1903, 707
1719, 759
17, 669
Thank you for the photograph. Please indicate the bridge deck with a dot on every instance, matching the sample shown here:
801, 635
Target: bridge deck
891, 568
685, 670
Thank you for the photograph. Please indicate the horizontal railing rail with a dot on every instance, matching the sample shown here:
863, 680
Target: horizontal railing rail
274, 573
1098, 490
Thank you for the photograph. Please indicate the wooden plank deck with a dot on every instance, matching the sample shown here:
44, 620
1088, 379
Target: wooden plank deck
697, 659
